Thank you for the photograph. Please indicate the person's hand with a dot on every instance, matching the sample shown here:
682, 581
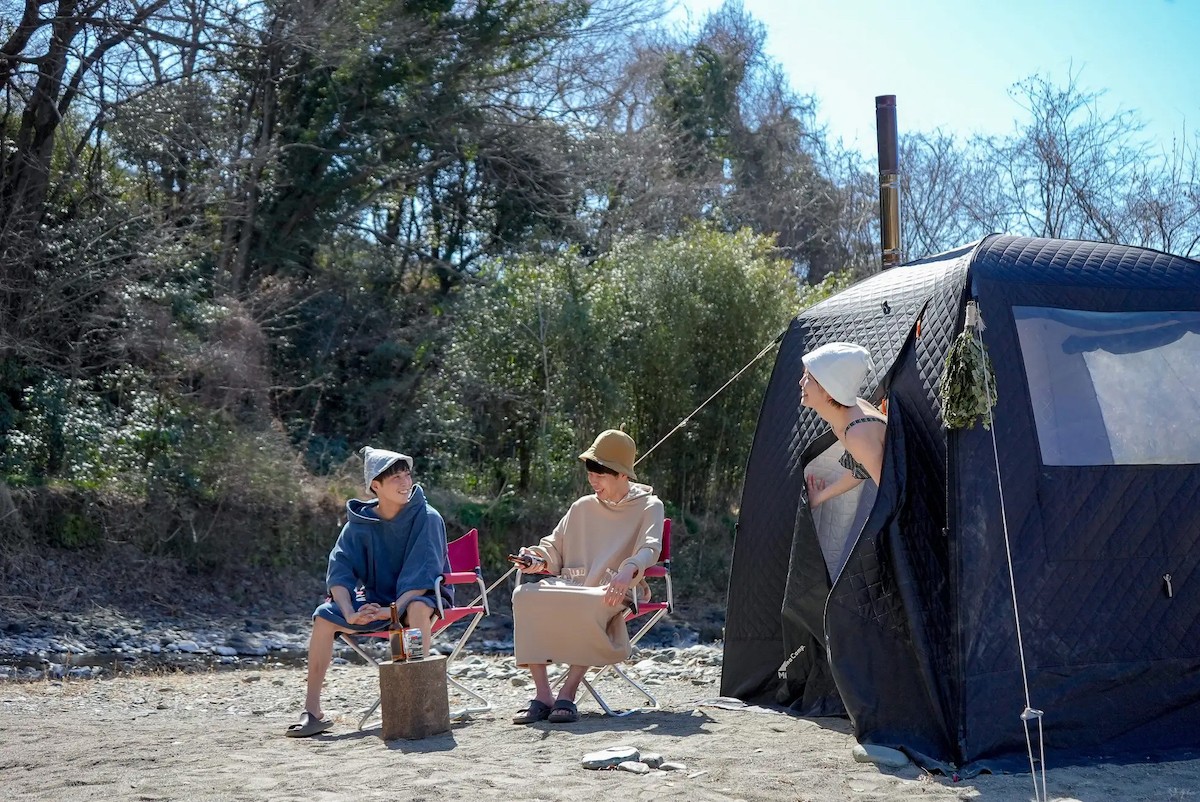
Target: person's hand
536, 566
618, 585
816, 490
367, 613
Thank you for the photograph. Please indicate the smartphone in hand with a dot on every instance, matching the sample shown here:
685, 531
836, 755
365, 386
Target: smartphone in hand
523, 560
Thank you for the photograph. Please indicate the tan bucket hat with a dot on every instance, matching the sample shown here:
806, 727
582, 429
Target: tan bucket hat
613, 449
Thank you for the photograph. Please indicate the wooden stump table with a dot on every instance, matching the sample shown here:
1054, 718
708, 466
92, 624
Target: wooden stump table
413, 698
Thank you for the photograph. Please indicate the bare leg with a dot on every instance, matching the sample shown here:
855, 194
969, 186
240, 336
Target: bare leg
570, 686
320, 655
541, 681
420, 615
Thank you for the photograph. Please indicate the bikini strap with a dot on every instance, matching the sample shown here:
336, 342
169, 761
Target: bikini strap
864, 419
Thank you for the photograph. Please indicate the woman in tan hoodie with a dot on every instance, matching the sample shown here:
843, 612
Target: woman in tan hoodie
595, 556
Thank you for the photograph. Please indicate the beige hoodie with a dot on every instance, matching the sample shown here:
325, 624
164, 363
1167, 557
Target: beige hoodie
554, 622
596, 537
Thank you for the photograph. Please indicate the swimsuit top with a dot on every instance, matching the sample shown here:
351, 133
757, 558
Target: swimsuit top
848, 461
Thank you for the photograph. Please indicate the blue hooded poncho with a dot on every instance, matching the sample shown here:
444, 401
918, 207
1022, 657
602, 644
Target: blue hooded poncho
379, 560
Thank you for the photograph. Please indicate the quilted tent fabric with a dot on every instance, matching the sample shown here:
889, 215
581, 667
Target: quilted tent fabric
1113, 660
915, 638
877, 313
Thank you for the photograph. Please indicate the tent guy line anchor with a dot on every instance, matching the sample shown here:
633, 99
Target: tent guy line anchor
974, 321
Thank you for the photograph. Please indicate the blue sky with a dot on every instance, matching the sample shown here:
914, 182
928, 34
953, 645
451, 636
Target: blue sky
954, 62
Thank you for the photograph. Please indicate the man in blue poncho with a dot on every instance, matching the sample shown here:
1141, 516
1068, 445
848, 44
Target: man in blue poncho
392, 549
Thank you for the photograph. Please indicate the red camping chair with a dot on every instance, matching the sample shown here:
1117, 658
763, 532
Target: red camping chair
464, 570
656, 610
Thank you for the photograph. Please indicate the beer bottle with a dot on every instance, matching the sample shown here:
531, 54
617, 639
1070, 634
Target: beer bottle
396, 636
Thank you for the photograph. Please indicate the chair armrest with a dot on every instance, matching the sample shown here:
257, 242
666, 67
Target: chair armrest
459, 577
657, 571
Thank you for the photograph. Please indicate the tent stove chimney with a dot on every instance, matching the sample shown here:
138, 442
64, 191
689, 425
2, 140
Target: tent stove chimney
889, 179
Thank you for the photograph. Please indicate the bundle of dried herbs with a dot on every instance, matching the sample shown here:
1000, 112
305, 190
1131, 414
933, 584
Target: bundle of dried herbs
969, 377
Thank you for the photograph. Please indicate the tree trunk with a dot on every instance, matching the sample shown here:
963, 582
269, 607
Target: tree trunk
413, 698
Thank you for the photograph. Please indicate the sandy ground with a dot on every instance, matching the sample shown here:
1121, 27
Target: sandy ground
219, 736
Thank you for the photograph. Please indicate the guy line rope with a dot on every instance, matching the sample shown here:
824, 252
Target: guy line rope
687, 418
1029, 713
975, 322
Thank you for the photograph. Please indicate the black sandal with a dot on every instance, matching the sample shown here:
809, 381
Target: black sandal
564, 712
537, 711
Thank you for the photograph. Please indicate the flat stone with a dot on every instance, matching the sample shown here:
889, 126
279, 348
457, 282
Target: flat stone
671, 765
607, 758
633, 767
879, 755
652, 759
249, 646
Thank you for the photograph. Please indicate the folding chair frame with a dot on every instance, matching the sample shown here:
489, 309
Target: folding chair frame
660, 570
464, 554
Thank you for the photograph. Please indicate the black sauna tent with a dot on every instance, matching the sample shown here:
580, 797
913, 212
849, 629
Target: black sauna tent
902, 618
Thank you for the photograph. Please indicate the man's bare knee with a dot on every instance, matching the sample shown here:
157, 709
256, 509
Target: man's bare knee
419, 614
324, 629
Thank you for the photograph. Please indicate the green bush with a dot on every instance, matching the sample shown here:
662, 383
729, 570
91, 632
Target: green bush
552, 350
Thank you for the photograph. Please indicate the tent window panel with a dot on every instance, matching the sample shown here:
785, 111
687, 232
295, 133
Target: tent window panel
1113, 388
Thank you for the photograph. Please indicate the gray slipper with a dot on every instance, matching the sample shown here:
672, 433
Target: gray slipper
537, 711
309, 725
